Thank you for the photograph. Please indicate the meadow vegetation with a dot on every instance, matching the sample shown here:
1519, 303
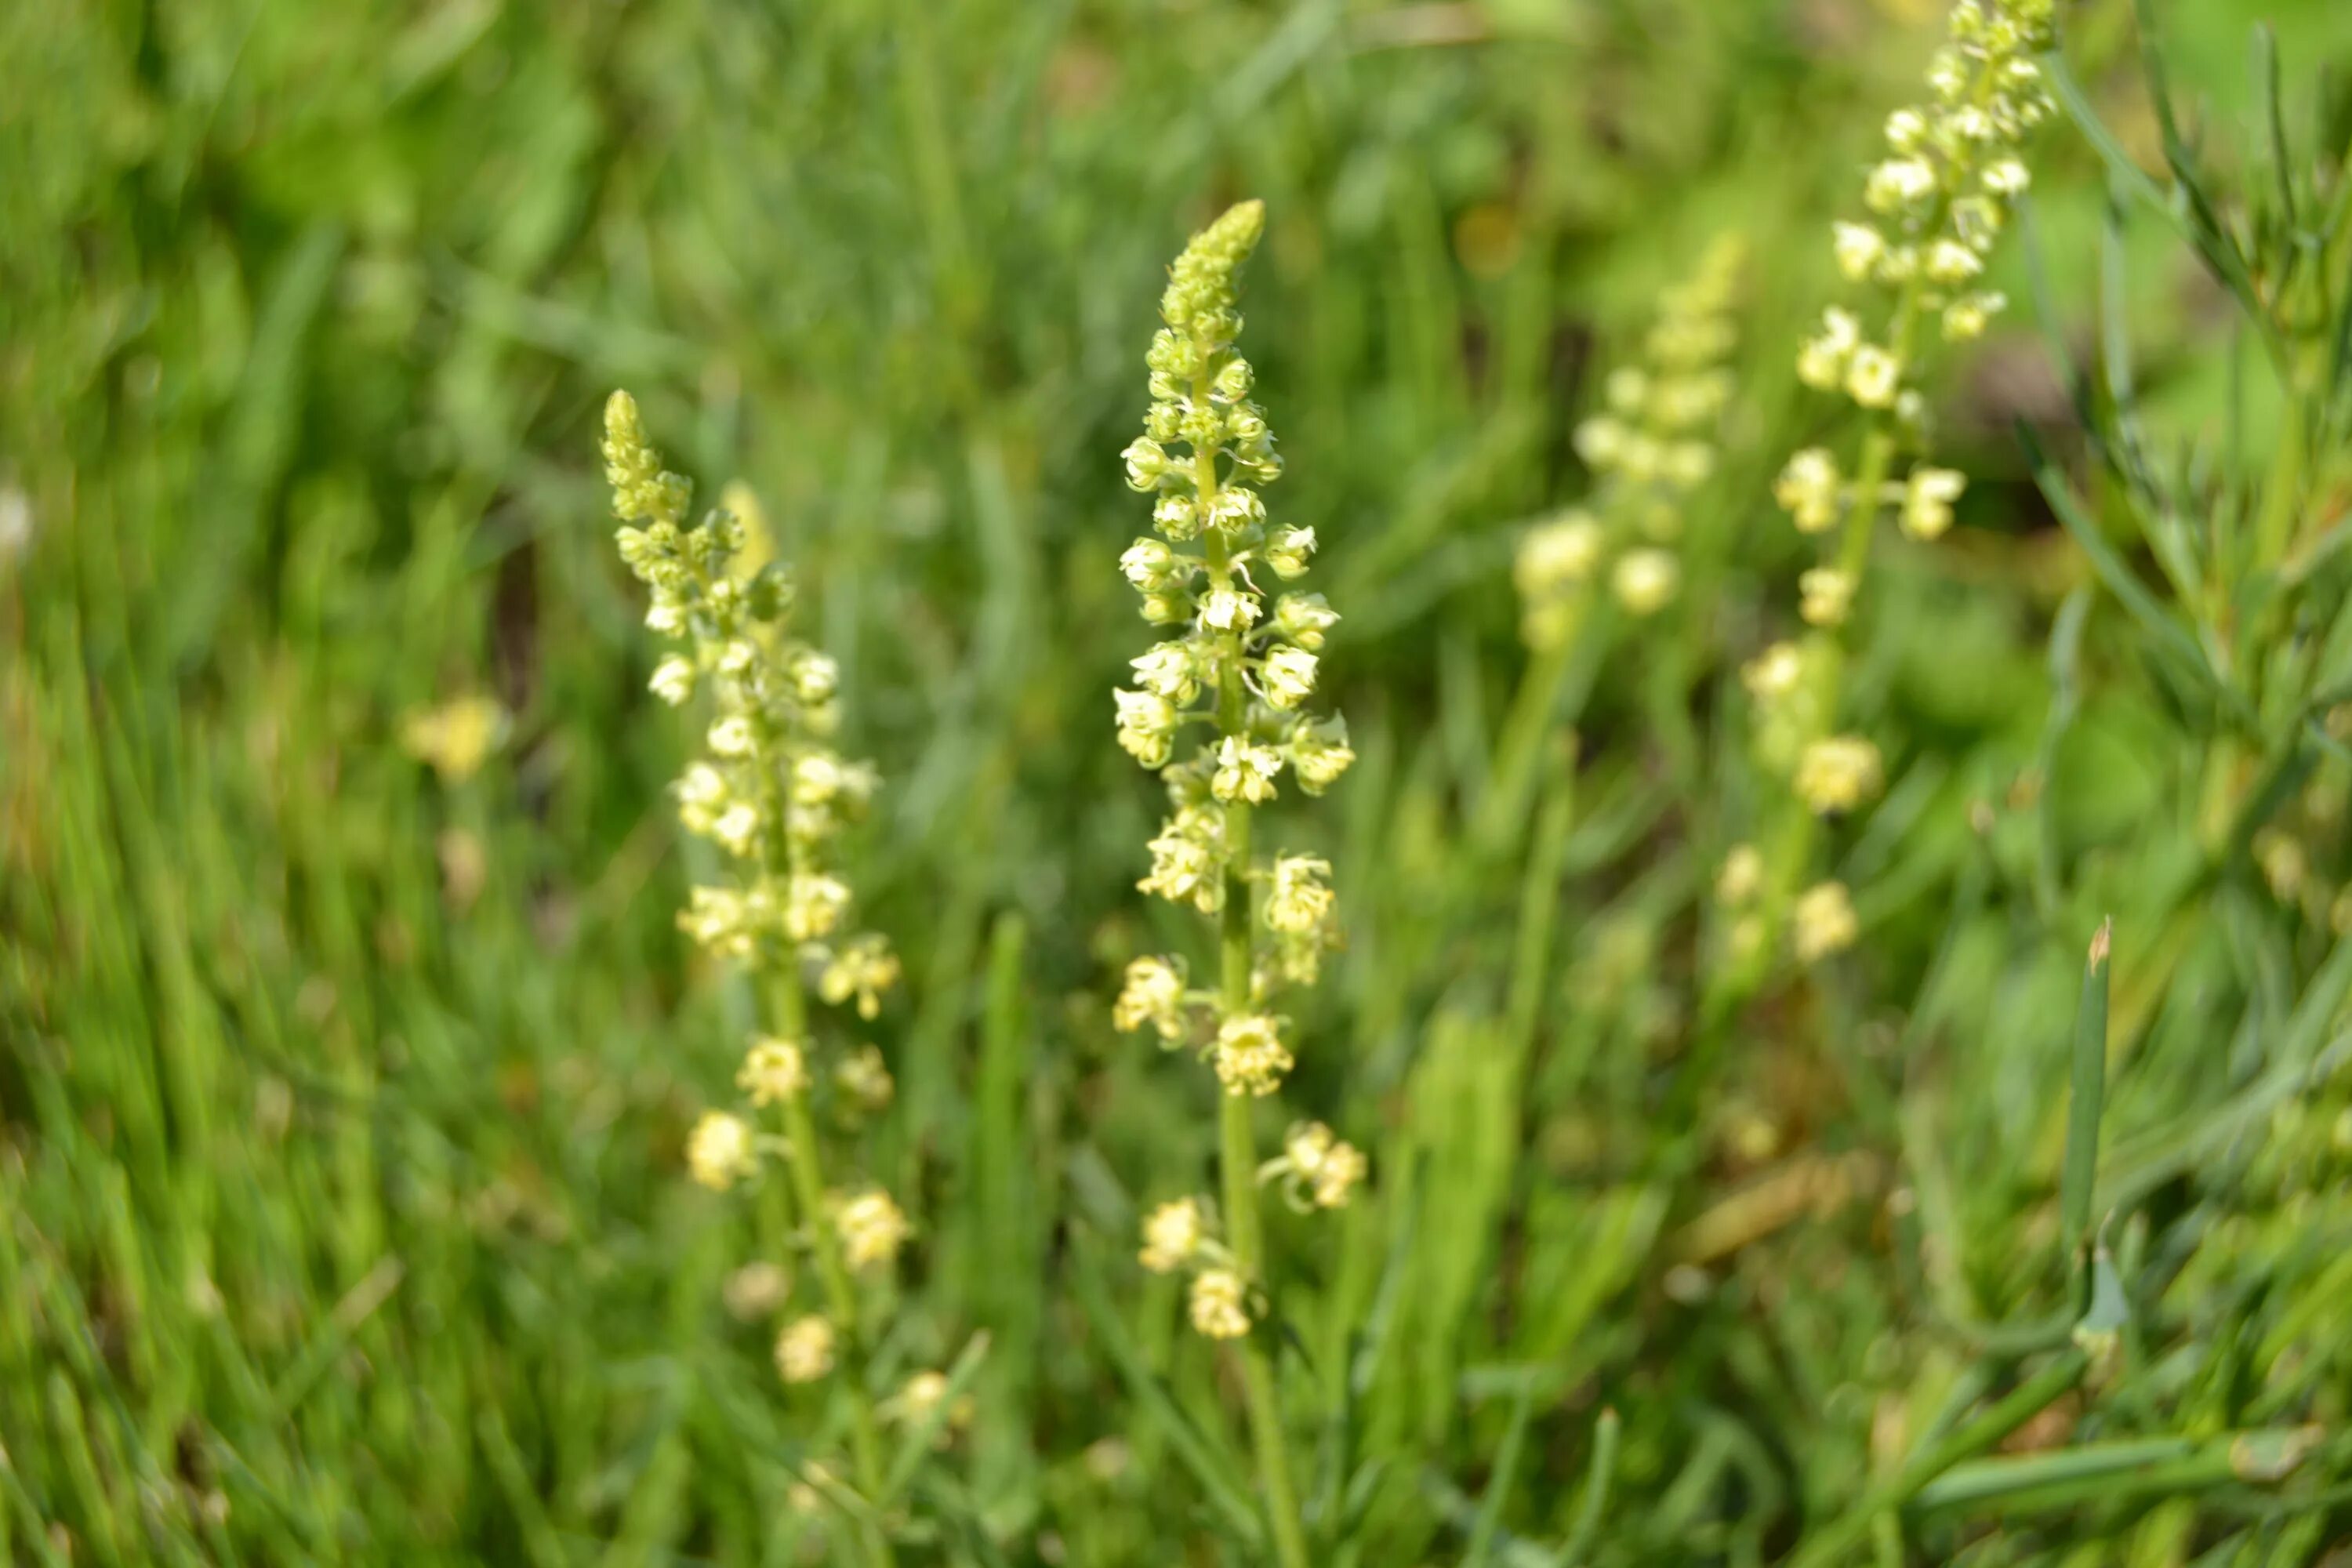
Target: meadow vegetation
1803, 1016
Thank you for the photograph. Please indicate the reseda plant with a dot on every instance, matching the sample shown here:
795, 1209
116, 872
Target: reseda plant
772, 792
1653, 445
1240, 670
1939, 205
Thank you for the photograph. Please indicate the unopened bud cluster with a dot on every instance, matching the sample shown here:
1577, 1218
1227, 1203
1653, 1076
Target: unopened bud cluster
771, 790
1648, 450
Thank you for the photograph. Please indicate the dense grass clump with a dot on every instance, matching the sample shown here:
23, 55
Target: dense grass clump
1813, 1028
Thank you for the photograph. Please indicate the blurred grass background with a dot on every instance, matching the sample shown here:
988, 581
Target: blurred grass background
341, 1097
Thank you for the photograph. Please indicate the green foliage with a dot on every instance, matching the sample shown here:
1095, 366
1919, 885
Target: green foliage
349, 1048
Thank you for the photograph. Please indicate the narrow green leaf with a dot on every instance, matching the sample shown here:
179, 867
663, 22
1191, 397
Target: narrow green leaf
2121, 168
2172, 639
2088, 1095
2266, 97
1598, 1476
1499, 1482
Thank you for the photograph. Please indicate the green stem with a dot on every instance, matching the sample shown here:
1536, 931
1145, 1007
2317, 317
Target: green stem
1548, 702
1792, 852
1237, 1139
1243, 1236
788, 1009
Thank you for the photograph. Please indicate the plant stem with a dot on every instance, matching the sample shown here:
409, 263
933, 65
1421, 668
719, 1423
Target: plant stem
1511, 783
788, 1007
1792, 851
1236, 1139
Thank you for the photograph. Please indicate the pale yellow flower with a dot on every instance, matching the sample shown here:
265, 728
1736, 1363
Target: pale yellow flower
1874, 376
1153, 993
1645, 581
862, 968
1146, 726
1774, 673
756, 1289
1251, 1057
1245, 772
1838, 773
1186, 859
1810, 490
1320, 752
1826, 596
1899, 183
864, 1080
1172, 1234
1220, 1304
1965, 319
813, 904
1928, 499
1821, 361
1297, 900
720, 1150
1859, 247
919, 1398
872, 1229
1825, 921
1740, 878
773, 1071
1221, 610
804, 1350
1287, 676
1950, 262
1330, 1166
672, 679
457, 738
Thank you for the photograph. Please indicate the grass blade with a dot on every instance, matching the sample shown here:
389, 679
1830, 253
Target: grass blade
1499, 1482
1598, 1477
917, 1444
2172, 640
2088, 1096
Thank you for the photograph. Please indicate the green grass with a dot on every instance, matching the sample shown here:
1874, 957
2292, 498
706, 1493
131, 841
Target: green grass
343, 1215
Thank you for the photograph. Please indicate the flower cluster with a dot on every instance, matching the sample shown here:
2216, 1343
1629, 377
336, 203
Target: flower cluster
772, 793
1938, 204
1317, 1169
1240, 666
1652, 444
769, 789
1180, 1235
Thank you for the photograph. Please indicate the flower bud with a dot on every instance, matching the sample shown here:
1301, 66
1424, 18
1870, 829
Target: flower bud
1146, 461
